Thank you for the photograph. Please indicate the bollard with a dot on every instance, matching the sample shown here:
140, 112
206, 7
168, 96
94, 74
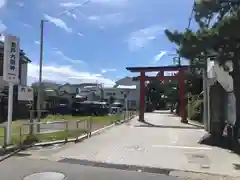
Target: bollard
5, 136
66, 130
20, 136
31, 127
90, 128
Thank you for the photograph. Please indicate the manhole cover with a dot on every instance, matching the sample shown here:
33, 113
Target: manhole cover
45, 176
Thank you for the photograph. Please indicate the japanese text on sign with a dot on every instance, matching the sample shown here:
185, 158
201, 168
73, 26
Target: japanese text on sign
13, 56
11, 59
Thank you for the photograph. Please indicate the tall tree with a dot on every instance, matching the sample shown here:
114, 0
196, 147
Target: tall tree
219, 27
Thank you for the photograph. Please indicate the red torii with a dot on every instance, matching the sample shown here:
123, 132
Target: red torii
179, 76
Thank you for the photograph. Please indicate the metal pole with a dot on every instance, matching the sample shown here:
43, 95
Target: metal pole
205, 101
39, 98
10, 111
188, 106
126, 107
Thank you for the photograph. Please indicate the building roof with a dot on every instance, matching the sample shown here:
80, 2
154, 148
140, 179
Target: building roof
126, 87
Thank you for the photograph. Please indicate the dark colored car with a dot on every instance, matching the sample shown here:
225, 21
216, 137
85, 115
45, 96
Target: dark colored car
89, 108
61, 109
116, 107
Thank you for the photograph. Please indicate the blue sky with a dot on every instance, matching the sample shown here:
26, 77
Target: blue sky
96, 41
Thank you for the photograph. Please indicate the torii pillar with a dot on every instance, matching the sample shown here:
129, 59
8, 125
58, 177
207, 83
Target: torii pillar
161, 70
142, 96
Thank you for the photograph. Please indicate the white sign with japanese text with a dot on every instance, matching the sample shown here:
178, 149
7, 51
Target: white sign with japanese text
25, 93
11, 59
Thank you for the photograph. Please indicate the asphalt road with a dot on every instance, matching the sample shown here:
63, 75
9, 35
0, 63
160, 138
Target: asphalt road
162, 149
17, 168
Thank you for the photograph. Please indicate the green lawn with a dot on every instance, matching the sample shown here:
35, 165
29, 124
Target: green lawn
43, 137
100, 119
60, 135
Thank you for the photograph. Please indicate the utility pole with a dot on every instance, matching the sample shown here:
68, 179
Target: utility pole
40, 89
39, 98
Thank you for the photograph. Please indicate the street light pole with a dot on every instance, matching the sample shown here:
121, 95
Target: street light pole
40, 91
39, 98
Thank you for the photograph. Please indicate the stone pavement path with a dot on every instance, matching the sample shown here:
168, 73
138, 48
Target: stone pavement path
167, 145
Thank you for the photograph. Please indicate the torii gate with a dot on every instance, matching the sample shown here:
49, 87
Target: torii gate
179, 76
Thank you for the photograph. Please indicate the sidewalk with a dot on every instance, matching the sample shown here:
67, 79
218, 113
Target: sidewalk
163, 143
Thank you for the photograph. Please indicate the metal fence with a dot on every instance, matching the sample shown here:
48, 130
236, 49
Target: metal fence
33, 131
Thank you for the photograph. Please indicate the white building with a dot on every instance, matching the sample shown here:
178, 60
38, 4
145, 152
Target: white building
124, 88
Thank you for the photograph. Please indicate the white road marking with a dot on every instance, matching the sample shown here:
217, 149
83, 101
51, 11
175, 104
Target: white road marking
181, 147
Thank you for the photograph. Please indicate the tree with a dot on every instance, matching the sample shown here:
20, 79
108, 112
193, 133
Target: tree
154, 92
221, 37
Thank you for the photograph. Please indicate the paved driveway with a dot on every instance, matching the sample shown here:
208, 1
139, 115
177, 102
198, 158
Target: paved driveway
163, 143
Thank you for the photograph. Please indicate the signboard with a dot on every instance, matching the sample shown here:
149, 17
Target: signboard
11, 59
25, 93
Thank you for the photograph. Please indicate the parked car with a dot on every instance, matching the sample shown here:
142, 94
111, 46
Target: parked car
61, 109
89, 108
115, 108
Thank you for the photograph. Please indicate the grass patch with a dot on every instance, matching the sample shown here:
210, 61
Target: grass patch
15, 133
98, 119
60, 135
42, 137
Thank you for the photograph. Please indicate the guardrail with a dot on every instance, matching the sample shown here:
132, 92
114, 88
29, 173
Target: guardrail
3, 138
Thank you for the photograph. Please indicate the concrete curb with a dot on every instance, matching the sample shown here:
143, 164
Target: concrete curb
190, 122
10, 151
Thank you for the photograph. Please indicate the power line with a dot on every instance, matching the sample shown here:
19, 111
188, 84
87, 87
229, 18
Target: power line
74, 8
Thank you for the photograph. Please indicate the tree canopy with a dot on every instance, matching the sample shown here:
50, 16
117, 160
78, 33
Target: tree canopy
221, 38
218, 33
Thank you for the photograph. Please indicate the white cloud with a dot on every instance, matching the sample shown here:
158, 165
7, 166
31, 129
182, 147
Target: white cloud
112, 18
117, 3
143, 37
2, 3
21, 4
64, 74
2, 38
2, 26
63, 56
26, 25
97, 2
70, 4
71, 15
108, 70
37, 42
58, 22
80, 34
159, 56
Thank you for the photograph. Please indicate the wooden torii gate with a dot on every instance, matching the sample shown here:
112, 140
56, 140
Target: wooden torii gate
179, 76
